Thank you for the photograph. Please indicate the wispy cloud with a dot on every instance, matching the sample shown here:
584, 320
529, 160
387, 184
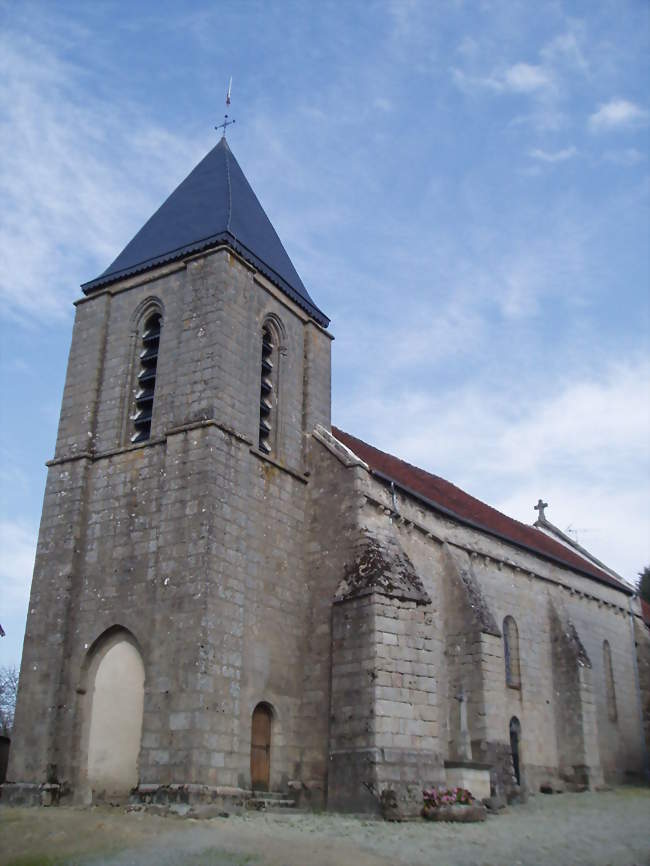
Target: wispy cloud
76, 178
526, 78
382, 104
18, 547
540, 84
518, 78
628, 156
617, 114
554, 155
581, 444
566, 49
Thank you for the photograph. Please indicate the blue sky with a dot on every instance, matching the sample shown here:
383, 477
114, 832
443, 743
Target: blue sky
463, 188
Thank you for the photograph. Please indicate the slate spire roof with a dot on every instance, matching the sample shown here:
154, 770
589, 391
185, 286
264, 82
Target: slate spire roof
214, 205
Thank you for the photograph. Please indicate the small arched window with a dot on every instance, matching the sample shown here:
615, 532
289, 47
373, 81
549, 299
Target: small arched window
146, 378
609, 682
268, 389
511, 653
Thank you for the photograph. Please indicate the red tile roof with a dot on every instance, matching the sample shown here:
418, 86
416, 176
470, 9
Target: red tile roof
446, 496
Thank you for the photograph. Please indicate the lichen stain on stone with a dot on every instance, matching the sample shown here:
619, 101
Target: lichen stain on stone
384, 568
269, 473
135, 456
573, 640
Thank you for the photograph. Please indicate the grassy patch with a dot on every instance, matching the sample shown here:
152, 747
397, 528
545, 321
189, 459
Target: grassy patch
632, 791
216, 857
208, 857
39, 860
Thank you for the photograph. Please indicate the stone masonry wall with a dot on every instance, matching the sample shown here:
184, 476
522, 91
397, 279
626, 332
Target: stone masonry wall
223, 564
44, 689
384, 721
576, 727
386, 652
619, 741
642, 641
515, 582
192, 541
333, 532
406, 699
353, 755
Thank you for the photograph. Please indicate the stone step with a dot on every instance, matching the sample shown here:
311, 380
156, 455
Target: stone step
269, 795
271, 804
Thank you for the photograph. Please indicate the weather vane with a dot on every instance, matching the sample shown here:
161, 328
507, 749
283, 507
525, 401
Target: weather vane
226, 123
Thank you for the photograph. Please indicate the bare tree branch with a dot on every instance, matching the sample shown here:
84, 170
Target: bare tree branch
8, 689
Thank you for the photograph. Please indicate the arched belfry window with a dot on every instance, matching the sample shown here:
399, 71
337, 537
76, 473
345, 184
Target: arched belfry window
146, 377
511, 653
609, 682
268, 388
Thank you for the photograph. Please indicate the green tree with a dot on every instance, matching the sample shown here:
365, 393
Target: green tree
643, 586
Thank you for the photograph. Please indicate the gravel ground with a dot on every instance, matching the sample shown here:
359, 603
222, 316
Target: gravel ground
593, 829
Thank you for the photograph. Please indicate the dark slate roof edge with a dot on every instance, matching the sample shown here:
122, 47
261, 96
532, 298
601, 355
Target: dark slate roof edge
606, 580
106, 279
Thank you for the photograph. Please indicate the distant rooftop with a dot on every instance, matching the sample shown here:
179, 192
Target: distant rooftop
214, 205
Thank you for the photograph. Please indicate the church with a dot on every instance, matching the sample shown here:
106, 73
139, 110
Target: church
231, 595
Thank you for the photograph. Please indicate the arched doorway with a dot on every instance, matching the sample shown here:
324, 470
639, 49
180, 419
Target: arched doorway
261, 747
515, 744
116, 702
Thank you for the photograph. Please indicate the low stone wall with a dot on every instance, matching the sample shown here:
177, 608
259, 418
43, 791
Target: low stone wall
473, 777
28, 794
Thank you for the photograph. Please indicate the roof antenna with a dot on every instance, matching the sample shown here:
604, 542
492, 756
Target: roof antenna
226, 123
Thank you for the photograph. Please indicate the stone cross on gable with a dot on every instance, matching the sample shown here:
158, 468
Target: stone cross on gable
540, 507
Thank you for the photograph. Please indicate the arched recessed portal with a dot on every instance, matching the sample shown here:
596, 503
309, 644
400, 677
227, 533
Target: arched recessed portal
261, 747
116, 701
515, 744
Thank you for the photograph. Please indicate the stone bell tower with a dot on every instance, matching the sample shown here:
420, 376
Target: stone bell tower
168, 613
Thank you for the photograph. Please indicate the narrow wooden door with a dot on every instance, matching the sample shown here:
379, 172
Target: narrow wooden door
261, 748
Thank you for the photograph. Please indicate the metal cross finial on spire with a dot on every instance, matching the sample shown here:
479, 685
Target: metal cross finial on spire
540, 507
226, 123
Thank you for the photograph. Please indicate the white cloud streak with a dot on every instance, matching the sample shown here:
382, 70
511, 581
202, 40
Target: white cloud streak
76, 178
518, 78
617, 114
526, 78
628, 156
18, 546
17, 551
553, 155
565, 48
582, 446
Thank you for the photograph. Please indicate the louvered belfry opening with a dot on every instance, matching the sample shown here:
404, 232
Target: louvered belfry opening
266, 390
146, 383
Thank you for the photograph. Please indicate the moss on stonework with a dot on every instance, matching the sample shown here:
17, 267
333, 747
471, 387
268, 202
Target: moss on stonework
382, 566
